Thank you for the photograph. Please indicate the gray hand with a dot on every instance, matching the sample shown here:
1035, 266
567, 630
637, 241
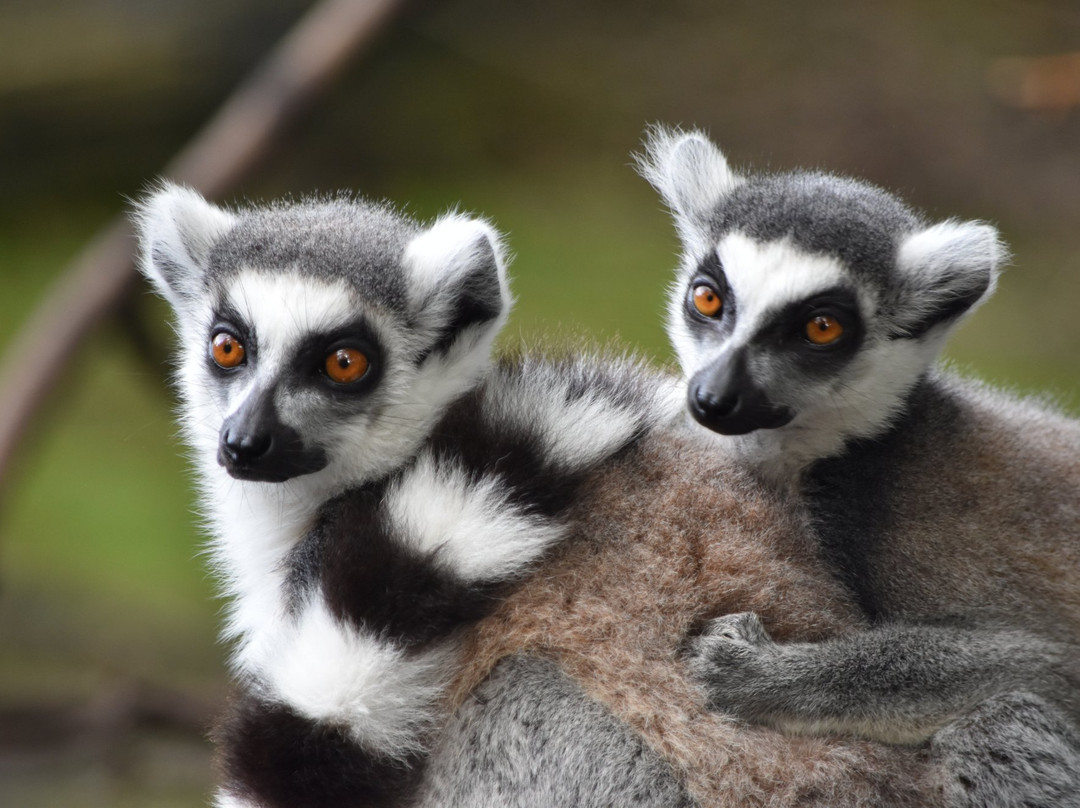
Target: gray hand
735, 659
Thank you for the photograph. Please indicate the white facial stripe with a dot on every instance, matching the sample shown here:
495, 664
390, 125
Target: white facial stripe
329, 671
691, 355
472, 523
766, 276
284, 308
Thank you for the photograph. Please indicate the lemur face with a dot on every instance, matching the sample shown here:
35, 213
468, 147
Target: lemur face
805, 302
763, 332
320, 338
293, 367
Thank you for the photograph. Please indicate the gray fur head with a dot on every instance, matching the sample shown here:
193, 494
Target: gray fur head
320, 339
782, 252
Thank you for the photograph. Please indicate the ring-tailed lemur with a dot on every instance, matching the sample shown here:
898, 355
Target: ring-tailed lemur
807, 313
370, 482
374, 487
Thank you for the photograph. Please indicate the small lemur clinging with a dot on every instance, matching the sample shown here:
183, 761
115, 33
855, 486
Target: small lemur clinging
807, 314
375, 486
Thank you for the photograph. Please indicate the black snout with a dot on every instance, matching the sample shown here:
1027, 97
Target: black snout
244, 448
255, 445
716, 406
725, 398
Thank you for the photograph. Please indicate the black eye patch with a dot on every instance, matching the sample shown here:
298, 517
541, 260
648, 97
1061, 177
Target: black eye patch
786, 329
227, 319
710, 272
309, 361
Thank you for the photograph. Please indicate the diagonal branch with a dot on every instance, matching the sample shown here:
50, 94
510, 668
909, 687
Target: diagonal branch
225, 151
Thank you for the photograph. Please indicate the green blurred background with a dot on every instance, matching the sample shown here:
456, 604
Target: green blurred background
525, 111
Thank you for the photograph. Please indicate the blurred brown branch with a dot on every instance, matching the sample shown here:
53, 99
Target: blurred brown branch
107, 718
1045, 83
225, 151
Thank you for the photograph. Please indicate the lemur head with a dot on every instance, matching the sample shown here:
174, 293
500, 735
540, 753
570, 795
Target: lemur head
320, 339
806, 305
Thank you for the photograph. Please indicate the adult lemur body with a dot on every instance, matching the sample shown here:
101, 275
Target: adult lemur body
371, 483
374, 487
807, 314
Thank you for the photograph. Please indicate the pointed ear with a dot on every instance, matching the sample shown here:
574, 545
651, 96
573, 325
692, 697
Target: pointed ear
457, 270
691, 175
176, 229
947, 270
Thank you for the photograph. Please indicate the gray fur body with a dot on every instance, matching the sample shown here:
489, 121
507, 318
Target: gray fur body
1013, 749
972, 517
950, 511
528, 737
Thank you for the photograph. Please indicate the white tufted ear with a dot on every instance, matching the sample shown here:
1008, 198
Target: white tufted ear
691, 175
457, 269
947, 270
176, 229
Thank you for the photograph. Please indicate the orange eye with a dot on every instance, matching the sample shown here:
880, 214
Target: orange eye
707, 300
824, 330
346, 365
227, 351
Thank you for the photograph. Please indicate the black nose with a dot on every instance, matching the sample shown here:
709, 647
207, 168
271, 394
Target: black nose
725, 398
254, 444
712, 405
242, 447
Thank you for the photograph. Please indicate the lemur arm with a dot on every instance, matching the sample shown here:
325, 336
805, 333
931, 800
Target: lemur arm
894, 683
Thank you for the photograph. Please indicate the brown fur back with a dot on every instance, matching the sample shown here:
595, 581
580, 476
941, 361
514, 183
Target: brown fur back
667, 536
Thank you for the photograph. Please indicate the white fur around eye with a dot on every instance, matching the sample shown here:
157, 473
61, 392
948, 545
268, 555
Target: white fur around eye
765, 277
284, 308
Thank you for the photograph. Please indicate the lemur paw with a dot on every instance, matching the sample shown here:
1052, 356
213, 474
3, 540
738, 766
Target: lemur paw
743, 629
732, 659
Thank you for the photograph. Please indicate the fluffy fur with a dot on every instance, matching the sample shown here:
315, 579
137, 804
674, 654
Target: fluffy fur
779, 248
947, 509
388, 546
358, 526
669, 535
